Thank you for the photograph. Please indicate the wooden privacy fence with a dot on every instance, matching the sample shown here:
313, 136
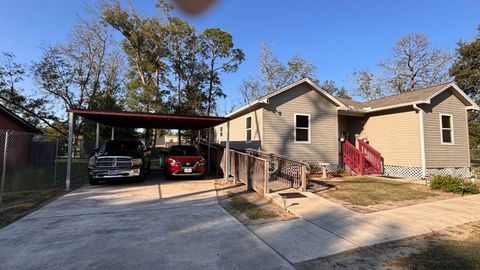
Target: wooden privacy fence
285, 172
250, 170
216, 157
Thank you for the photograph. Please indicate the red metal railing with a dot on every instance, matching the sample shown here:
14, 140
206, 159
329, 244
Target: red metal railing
352, 157
371, 155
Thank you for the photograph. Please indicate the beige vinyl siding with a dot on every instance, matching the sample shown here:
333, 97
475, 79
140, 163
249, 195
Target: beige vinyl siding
237, 131
278, 128
440, 155
396, 135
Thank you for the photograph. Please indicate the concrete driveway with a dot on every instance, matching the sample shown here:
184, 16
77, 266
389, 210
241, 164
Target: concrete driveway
154, 225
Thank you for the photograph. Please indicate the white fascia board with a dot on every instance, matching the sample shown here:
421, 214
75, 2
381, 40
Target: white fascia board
473, 106
266, 98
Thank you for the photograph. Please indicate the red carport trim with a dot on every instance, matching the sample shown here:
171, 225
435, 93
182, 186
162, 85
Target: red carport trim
155, 115
150, 120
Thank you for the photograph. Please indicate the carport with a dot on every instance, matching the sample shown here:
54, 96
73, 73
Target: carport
142, 120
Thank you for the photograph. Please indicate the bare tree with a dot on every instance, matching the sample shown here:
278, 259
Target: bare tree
369, 86
274, 75
84, 69
414, 64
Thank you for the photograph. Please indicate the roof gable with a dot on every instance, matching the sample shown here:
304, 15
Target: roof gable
22, 122
265, 99
419, 96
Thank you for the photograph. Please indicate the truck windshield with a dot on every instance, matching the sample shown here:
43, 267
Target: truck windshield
180, 151
127, 146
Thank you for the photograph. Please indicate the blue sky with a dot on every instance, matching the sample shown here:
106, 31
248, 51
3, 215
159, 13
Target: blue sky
337, 36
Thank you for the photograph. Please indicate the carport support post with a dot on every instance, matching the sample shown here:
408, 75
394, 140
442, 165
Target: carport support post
97, 136
227, 154
113, 134
209, 149
69, 151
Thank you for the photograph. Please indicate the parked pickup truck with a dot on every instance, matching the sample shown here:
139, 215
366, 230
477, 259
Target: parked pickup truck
119, 159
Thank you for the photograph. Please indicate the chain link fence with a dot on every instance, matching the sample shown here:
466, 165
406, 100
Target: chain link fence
35, 163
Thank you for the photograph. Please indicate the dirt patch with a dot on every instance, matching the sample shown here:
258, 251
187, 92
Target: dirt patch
248, 206
16, 205
368, 194
453, 248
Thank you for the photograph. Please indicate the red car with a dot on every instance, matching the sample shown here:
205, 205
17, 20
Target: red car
184, 160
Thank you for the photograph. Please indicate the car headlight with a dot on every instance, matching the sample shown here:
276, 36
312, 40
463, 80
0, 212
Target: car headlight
137, 161
201, 162
92, 161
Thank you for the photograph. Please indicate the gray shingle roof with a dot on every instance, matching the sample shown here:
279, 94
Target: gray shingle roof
420, 94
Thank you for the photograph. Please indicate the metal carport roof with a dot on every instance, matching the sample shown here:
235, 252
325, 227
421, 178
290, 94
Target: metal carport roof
150, 120
142, 120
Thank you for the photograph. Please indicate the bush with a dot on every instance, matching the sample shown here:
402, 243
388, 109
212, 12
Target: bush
341, 170
453, 184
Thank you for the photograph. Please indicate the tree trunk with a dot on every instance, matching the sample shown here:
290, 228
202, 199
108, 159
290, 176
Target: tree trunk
210, 88
411, 68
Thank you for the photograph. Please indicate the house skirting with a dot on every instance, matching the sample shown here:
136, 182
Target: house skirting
416, 172
316, 168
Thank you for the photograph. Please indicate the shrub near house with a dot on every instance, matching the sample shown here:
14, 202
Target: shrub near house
453, 184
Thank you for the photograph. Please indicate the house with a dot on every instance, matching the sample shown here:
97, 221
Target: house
19, 140
418, 134
11, 121
165, 141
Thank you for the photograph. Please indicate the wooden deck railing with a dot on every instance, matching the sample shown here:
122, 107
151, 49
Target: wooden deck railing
352, 157
246, 168
288, 172
250, 170
371, 155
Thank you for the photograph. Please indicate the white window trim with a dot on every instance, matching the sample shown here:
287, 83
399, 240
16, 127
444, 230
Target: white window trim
246, 129
295, 128
451, 129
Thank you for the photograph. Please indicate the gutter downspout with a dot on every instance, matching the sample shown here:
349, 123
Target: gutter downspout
422, 140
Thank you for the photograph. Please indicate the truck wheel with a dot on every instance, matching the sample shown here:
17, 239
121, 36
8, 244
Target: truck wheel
93, 181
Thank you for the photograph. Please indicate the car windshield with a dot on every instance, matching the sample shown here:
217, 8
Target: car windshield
127, 146
183, 151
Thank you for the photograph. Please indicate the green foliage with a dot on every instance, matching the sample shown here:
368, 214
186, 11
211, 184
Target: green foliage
172, 68
341, 170
220, 56
35, 110
466, 72
466, 67
453, 184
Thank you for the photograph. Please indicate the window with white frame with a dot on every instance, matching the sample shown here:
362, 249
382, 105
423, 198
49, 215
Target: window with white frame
302, 128
248, 129
446, 128
221, 132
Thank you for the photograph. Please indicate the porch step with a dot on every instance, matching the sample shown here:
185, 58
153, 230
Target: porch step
371, 170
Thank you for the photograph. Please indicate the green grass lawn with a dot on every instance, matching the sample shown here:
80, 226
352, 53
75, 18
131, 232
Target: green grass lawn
450, 254
32, 177
365, 191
